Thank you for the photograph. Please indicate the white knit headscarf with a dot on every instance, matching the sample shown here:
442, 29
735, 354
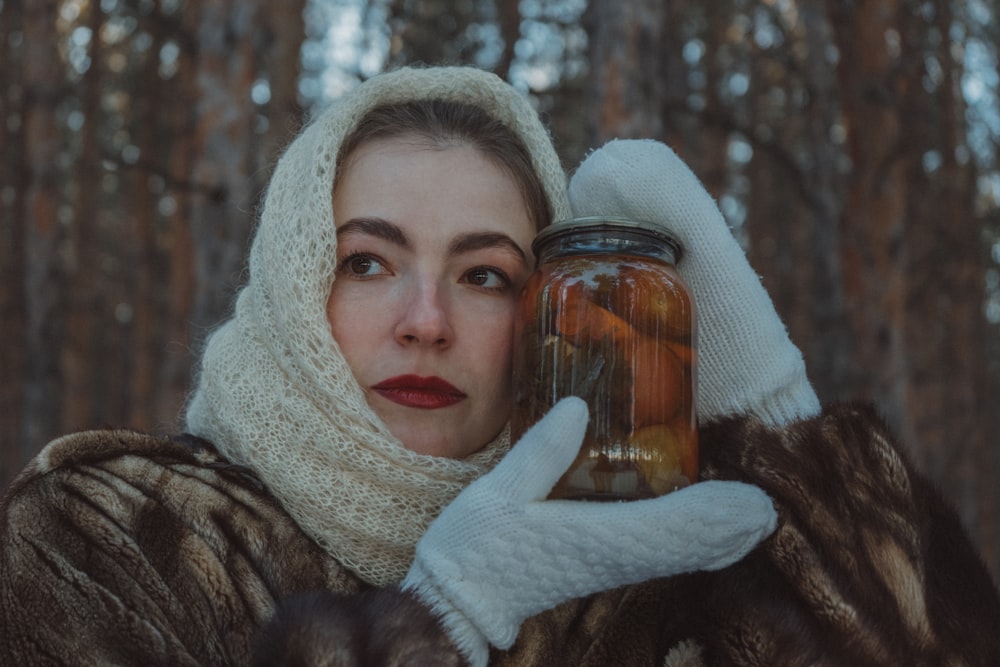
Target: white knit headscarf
274, 392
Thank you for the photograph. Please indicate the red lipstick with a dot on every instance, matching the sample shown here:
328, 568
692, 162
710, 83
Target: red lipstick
413, 391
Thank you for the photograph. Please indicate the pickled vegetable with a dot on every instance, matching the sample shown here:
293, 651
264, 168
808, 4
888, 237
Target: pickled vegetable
618, 331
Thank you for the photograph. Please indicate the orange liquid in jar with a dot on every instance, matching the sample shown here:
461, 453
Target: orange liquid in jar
618, 331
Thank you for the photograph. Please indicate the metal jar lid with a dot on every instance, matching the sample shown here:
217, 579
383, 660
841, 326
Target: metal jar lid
611, 224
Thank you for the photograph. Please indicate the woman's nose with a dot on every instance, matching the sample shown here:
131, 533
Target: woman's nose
424, 319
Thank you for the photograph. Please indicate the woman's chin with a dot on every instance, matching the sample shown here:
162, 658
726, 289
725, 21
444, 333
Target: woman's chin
436, 439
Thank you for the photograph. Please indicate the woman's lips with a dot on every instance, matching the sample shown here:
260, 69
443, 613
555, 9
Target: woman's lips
413, 391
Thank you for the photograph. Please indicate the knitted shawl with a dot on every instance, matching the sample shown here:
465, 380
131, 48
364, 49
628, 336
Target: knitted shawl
274, 392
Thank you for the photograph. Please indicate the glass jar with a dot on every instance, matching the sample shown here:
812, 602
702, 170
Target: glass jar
606, 317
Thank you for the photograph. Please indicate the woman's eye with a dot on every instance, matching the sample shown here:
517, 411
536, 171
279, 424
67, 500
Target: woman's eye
491, 279
361, 265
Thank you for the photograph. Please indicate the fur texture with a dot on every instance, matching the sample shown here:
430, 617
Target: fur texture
121, 548
869, 565
378, 627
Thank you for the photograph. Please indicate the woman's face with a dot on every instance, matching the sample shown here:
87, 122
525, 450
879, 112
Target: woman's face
433, 246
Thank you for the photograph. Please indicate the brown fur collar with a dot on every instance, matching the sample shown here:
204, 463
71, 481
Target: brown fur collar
122, 548
869, 564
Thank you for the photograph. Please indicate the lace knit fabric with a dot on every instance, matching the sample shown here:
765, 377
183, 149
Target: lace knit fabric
274, 392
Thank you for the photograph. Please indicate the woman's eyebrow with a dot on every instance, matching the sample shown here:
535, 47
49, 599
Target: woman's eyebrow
481, 240
377, 227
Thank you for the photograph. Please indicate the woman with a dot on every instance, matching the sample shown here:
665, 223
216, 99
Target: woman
362, 384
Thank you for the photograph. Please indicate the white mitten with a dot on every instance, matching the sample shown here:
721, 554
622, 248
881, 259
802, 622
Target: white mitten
501, 552
747, 364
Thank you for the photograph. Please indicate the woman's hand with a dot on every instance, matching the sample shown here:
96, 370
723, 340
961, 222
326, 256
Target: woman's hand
501, 552
747, 364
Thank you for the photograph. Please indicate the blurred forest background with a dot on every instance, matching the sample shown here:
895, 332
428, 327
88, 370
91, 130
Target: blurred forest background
852, 144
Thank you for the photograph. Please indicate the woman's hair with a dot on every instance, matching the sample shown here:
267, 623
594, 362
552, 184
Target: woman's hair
444, 124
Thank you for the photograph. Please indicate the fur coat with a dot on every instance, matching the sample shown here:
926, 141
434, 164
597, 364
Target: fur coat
123, 548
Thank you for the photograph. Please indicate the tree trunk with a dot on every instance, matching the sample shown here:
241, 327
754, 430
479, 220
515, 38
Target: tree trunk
795, 191
129, 236
223, 160
84, 388
14, 182
874, 217
626, 82
40, 184
509, 21
948, 398
913, 261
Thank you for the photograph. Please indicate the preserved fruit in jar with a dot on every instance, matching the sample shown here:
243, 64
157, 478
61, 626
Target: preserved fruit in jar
606, 317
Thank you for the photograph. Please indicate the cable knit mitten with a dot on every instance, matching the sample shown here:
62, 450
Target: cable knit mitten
501, 552
747, 364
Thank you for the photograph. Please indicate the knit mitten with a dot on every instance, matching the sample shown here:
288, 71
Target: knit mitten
747, 363
501, 552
